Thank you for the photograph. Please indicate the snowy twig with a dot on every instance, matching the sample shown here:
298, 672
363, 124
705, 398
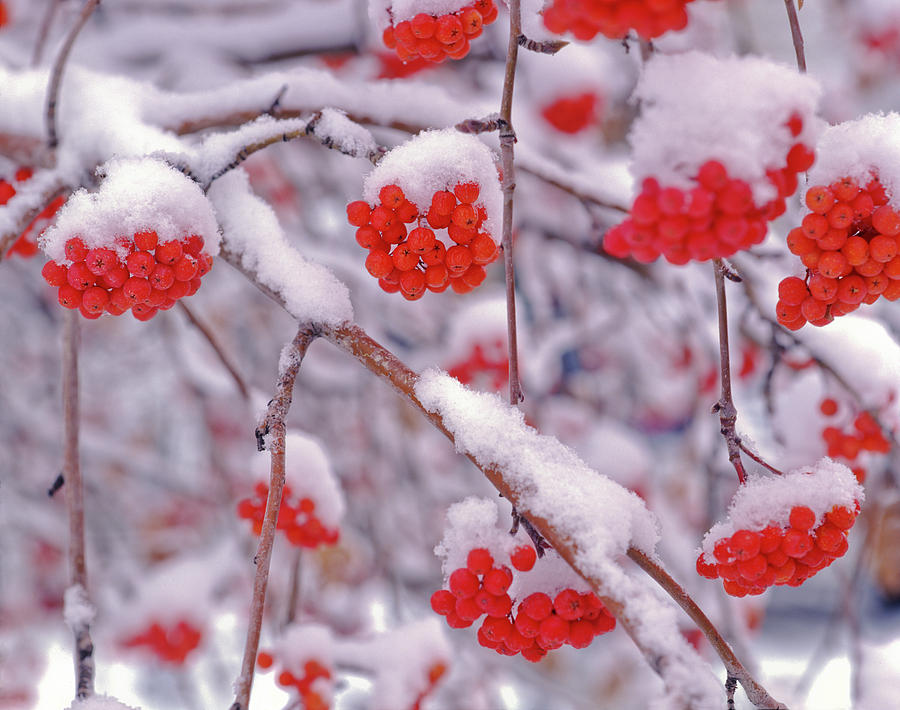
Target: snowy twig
507, 141
57, 71
272, 424
71, 471
44, 31
550, 46
796, 35
488, 124
218, 349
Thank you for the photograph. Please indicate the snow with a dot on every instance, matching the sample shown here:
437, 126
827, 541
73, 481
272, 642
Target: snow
438, 160
312, 294
381, 11
99, 702
301, 643
768, 499
695, 107
135, 195
600, 517
480, 322
860, 149
77, 608
346, 135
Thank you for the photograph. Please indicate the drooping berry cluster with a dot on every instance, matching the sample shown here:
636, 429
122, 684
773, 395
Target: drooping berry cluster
171, 643
139, 274
490, 368
297, 518
750, 561
865, 435
302, 681
584, 19
26, 246
715, 219
572, 114
850, 245
413, 260
538, 624
437, 38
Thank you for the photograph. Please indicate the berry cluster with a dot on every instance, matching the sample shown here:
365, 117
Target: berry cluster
312, 670
296, 518
4, 14
436, 38
150, 278
749, 561
171, 645
572, 114
850, 245
539, 624
25, 246
866, 435
713, 220
415, 260
615, 18
491, 368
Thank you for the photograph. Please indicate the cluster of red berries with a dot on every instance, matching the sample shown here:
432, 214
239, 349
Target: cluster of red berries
866, 435
26, 246
572, 114
713, 220
750, 561
436, 38
540, 623
481, 367
4, 14
296, 518
151, 278
413, 261
312, 670
615, 18
171, 644
850, 245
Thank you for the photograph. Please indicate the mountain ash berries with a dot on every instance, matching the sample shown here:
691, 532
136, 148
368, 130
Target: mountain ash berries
435, 38
297, 517
584, 19
171, 643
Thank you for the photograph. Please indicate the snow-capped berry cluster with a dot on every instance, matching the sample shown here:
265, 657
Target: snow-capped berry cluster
584, 19
171, 644
487, 363
782, 529
140, 274
705, 195
297, 517
437, 37
865, 435
850, 245
26, 246
302, 679
573, 114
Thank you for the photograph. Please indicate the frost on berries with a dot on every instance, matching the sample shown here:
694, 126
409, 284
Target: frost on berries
782, 529
713, 171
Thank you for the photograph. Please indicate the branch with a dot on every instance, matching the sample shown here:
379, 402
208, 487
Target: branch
551, 46
272, 424
57, 71
71, 471
796, 35
44, 31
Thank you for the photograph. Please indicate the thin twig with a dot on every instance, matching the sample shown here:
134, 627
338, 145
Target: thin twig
57, 72
730, 687
796, 35
507, 143
44, 31
293, 602
71, 471
273, 424
761, 461
551, 46
218, 349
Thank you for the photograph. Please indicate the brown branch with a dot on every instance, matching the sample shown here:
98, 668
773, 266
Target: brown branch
218, 349
796, 35
57, 71
71, 471
551, 46
44, 31
273, 424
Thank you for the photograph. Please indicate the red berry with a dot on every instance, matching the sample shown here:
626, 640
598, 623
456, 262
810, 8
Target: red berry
463, 583
523, 557
745, 544
802, 518
358, 213
538, 606
443, 602
479, 561
169, 252
75, 249
146, 241
497, 580
54, 274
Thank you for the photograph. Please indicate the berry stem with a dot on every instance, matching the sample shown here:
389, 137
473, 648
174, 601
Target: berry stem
74, 489
273, 423
796, 35
507, 141
725, 406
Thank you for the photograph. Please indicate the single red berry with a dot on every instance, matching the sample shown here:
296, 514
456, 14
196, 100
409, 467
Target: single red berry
141, 263
137, 290
75, 249
169, 252
79, 276
186, 268
146, 241
796, 543
704, 569
523, 557
100, 260
68, 296
802, 518
443, 602
828, 407
479, 561
358, 213
264, 660
745, 544
391, 196
567, 605
463, 583
497, 580
538, 606
553, 632
54, 274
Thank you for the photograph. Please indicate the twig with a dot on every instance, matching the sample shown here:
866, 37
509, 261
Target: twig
796, 35
551, 46
294, 586
730, 687
58, 483
725, 406
488, 124
759, 459
274, 424
507, 141
71, 471
218, 349
44, 31
57, 72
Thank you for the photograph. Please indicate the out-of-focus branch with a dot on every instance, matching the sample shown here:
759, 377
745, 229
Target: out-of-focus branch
71, 471
57, 71
44, 31
273, 426
796, 35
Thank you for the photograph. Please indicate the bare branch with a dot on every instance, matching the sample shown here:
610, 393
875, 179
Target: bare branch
546, 47
44, 31
796, 35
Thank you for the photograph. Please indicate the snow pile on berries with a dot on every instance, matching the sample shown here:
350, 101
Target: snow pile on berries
134, 196
99, 702
696, 107
312, 294
382, 12
599, 516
